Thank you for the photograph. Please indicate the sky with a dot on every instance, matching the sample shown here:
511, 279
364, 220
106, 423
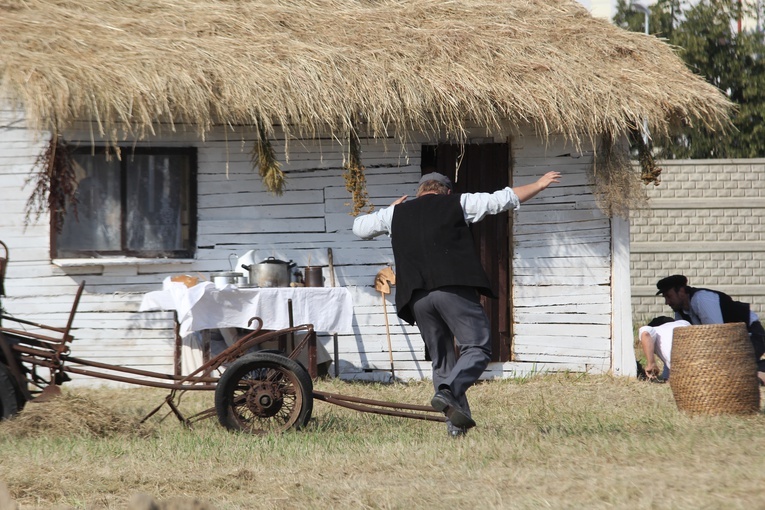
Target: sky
606, 8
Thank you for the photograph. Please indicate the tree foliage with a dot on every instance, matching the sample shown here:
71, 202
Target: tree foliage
709, 41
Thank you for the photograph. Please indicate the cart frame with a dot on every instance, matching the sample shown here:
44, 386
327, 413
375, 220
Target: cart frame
271, 387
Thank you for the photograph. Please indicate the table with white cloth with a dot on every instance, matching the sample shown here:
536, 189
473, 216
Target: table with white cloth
204, 307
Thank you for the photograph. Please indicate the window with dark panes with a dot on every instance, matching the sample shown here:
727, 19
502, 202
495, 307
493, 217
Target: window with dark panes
142, 205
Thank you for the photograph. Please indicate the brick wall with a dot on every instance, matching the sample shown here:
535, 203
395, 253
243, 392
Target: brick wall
705, 220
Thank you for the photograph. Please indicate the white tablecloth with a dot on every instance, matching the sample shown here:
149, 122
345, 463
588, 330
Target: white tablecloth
329, 309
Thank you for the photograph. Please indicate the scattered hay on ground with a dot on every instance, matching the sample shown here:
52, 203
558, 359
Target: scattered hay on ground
71, 414
137, 502
6, 501
145, 502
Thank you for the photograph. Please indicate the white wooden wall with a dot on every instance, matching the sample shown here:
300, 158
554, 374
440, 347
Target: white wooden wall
561, 265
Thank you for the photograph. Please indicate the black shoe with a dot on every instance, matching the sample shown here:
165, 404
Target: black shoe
445, 402
455, 432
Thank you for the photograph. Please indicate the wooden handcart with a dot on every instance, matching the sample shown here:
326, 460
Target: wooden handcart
259, 391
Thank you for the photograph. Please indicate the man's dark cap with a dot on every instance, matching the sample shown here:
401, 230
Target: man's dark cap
435, 176
671, 282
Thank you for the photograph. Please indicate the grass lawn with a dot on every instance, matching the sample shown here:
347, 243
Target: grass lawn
556, 441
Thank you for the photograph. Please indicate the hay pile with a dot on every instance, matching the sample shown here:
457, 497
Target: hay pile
312, 65
70, 415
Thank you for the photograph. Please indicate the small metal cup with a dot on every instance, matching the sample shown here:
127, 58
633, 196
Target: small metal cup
314, 277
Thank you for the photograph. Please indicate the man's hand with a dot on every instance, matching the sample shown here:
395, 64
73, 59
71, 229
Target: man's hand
399, 200
652, 371
547, 179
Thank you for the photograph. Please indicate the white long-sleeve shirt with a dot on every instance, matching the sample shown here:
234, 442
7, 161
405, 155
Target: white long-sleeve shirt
662, 339
475, 206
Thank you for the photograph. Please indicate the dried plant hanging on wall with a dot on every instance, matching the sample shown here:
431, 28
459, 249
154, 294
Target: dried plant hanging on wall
650, 172
55, 184
264, 157
355, 180
614, 179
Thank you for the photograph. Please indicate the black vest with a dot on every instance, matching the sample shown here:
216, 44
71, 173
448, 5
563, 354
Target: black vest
732, 311
433, 248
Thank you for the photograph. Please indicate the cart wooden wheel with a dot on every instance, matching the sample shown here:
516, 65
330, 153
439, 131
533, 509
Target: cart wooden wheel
264, 392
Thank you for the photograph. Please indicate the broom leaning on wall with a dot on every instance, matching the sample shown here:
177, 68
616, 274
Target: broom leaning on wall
383, 280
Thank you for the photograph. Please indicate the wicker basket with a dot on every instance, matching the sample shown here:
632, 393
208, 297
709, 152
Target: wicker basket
714, 370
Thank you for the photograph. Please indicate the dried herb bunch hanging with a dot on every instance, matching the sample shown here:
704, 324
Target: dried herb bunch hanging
355, 180
55, 184
614, 179
264, 157
650, 172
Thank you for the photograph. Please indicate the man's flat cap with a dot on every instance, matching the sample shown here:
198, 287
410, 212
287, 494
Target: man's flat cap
435, 176
671, 282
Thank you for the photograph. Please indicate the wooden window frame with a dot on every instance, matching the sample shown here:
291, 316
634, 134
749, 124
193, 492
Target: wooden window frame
189, 181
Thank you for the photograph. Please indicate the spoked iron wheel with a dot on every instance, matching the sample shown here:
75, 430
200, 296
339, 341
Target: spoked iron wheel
264, 392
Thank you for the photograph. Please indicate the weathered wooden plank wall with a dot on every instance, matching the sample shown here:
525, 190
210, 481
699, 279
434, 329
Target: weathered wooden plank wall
562, 304
561, 263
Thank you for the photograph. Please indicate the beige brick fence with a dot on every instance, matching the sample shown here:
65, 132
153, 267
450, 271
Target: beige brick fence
705, 220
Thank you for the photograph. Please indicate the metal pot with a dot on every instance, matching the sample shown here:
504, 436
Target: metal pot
314, 277
270, 273
220, 280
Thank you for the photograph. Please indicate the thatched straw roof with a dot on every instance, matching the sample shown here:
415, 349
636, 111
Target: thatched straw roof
310, 65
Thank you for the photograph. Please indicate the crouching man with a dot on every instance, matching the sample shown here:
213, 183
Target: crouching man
705, 306
656, 342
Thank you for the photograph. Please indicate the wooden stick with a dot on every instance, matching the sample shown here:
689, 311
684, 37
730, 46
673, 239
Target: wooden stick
331, 268
387, 334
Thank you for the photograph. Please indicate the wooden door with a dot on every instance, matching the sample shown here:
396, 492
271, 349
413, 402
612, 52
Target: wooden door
483, 168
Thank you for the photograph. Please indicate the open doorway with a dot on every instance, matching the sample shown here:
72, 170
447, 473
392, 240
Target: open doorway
483, 168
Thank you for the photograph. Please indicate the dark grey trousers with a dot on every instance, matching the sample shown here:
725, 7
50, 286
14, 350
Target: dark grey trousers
757, 336
447, 314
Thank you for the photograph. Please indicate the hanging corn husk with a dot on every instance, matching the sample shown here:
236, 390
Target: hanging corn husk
355, 180
55, 184
264, 157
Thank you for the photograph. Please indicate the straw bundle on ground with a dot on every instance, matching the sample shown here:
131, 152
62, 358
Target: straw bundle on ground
313, 65
714, 370
70, 414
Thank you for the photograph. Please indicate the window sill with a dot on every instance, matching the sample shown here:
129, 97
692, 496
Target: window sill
117, 261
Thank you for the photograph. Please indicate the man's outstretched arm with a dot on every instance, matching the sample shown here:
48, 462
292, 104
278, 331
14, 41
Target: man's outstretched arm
377, 223
479, 205
529, 191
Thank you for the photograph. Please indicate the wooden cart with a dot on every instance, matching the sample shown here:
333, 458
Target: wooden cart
259, 391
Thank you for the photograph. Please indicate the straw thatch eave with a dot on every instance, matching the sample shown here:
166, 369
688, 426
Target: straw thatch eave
312, 65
